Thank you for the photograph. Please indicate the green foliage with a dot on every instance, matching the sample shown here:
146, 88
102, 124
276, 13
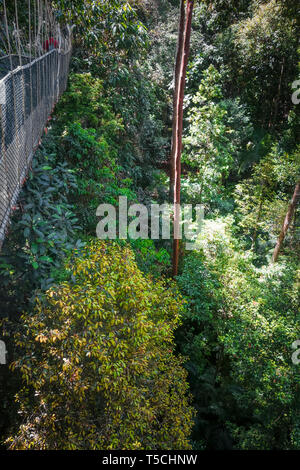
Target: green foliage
43, 230
116, 39
149, 259
141, 104
109, 29
98, 354
261, 362
84, 102
44, 226
254, 45
266, 45
241, 328
98, 176
90, 142
262, 200
208, 147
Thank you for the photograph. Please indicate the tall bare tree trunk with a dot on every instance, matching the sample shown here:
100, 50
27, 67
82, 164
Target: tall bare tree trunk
286, 222
176, 81
178, 124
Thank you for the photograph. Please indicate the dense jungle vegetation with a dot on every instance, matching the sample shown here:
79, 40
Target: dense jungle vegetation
106, 350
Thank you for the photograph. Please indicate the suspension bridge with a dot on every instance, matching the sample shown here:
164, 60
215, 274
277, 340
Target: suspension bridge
34, 70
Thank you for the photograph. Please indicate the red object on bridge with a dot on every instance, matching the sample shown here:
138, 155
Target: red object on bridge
50, 44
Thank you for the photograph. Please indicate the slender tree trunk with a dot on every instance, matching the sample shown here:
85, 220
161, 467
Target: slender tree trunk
286, 222
176, 81
177, 126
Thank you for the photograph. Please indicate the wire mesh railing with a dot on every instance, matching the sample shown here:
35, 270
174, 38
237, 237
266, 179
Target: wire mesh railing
27, 96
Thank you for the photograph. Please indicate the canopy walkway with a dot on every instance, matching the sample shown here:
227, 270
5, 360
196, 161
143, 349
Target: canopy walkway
30, 86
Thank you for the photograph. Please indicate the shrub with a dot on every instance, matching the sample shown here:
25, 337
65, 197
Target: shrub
98, 354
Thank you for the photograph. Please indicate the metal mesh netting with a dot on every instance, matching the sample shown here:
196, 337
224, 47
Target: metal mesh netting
27, 97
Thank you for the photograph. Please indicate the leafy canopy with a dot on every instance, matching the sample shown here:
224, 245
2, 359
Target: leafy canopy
98, 353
